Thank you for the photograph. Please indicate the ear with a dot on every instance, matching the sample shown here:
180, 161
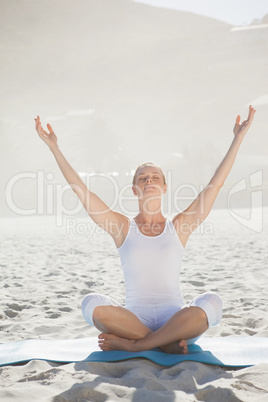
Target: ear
134, 190
165, 188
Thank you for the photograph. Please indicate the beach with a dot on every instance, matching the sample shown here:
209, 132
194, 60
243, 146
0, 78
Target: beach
122, 83
46, 270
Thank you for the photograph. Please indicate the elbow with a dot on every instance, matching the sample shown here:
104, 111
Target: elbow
78, 190
75, 190
216, 184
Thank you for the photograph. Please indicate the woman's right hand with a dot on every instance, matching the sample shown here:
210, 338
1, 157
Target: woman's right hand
48, 137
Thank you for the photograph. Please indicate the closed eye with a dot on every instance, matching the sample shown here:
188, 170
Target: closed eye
145, 178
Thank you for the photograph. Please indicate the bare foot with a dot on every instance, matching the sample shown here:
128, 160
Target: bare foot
179, 347
113, 342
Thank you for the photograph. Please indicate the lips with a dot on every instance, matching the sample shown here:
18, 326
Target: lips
148, 187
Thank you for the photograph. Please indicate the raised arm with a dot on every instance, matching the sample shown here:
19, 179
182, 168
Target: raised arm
188, 220
111, 221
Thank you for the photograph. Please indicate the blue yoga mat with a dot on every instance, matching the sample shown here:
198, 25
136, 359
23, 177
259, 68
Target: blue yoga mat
231, 351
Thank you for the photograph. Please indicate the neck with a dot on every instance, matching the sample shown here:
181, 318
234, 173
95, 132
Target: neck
150, 212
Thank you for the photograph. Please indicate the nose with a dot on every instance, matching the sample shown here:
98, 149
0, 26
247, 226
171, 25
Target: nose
148, 180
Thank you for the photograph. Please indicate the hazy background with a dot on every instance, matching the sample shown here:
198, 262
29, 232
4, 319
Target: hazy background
123, 82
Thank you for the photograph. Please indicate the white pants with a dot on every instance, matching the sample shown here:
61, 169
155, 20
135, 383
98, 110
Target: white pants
156, 315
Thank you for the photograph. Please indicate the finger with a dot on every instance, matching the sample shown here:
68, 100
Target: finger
245, 122
238, 119
38, 126
44, 132
41, 131
50, 129
37, 122
251, 114
251, 108
250, 111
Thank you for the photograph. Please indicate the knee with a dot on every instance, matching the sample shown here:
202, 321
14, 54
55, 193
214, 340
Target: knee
93, 304
211, 304
201, 314
100, 313
89, 305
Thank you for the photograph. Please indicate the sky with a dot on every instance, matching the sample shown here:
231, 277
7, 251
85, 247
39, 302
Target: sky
234, 12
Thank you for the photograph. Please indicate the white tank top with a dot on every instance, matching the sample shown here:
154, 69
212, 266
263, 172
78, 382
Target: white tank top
151, 266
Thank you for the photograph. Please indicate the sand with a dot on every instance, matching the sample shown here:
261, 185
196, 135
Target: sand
45, 273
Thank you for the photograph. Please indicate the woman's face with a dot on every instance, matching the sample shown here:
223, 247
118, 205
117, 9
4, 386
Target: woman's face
149, 181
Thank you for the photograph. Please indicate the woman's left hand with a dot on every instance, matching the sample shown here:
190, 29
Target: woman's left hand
241, 129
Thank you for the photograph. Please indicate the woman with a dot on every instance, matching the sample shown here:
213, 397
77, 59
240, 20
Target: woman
151, 249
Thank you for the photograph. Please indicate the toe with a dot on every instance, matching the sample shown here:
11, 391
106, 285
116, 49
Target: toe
101, 336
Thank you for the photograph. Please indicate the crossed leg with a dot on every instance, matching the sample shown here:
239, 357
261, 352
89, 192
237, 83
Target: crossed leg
122, 330
119, 321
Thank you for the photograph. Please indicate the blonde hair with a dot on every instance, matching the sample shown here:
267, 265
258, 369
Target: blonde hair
147, 164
